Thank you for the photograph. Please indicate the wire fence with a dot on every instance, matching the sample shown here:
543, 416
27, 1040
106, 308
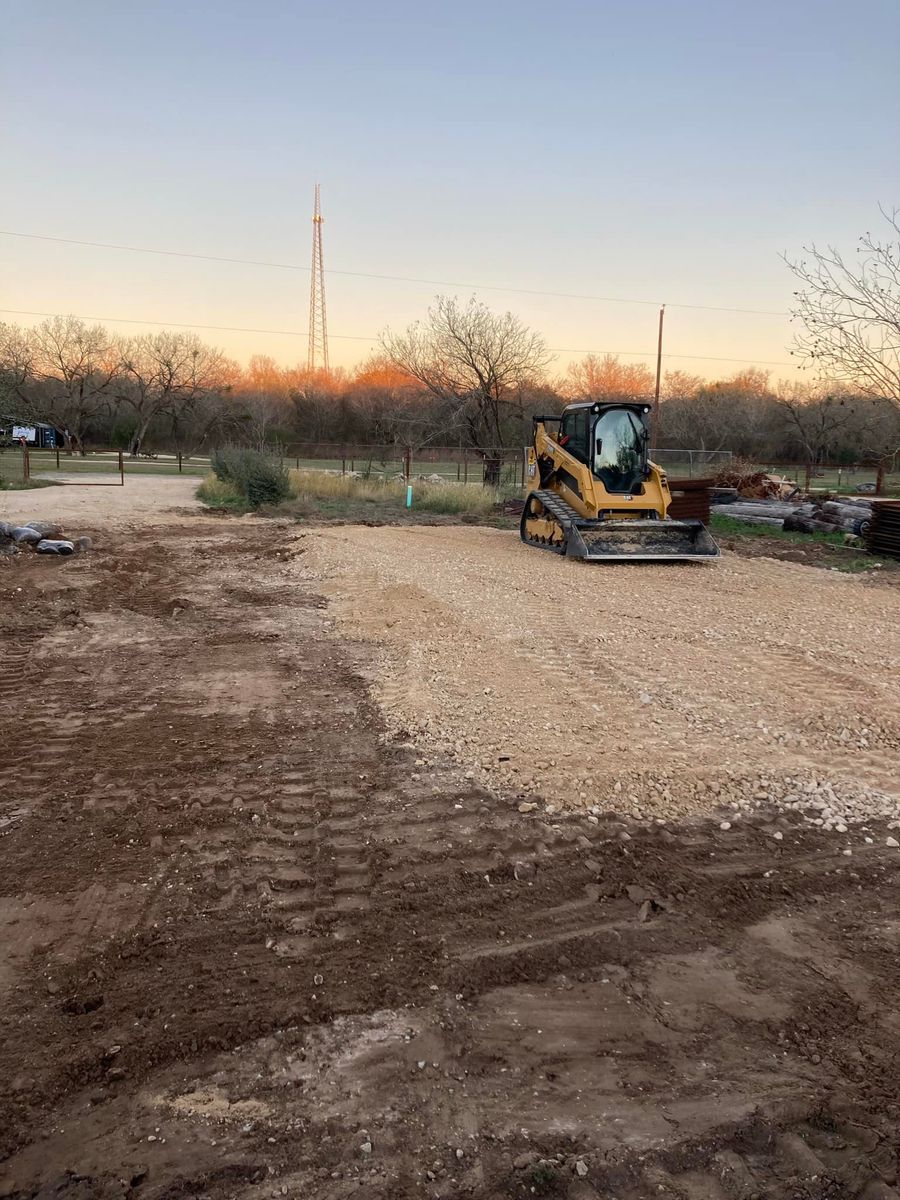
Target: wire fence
445, 464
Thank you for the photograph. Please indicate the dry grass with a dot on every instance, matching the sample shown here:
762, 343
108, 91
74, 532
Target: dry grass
218, 494
427, 497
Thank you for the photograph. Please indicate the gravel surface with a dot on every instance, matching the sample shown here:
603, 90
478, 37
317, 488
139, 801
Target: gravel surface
143, 500
656, 690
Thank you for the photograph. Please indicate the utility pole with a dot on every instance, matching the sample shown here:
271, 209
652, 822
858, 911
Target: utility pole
654, 424
318, 332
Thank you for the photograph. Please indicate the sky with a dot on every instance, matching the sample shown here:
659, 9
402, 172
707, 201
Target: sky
651, 151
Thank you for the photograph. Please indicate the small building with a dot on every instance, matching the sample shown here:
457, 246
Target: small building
38, 435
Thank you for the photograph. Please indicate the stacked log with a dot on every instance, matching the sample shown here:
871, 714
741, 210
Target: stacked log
850, 515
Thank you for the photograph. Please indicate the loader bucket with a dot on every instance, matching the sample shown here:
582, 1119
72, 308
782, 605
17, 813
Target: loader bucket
639, 540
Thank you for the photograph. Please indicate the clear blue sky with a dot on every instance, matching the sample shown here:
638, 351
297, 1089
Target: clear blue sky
657, 150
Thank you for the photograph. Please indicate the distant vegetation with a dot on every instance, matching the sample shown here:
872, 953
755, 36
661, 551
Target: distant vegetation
470, 378
321, 492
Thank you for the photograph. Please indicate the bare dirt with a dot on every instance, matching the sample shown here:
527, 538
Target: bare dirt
253, 945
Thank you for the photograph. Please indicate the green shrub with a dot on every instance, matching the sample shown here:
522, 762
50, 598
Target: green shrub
254, 476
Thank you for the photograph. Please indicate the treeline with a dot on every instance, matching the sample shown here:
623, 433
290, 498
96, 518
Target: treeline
170, 391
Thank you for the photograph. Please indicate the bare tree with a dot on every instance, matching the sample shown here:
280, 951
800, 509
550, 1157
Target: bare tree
78, 365
16, 371
816, 422
166, 373
850, 313
874, 435
603, 377
475, 361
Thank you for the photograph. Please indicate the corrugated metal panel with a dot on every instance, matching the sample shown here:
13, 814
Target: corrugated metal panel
883, 536
690, 499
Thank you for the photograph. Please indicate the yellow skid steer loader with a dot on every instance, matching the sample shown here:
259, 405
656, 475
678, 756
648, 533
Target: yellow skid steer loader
595, 494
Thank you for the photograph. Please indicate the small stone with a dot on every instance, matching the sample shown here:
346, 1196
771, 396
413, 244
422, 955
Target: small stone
527, 806
460, 1153
724, 825
366, 1148
892, 842
581, 1168
318, 979
778, 835
52, 546
637, 894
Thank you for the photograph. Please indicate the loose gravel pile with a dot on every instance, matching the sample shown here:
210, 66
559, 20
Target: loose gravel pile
655, 690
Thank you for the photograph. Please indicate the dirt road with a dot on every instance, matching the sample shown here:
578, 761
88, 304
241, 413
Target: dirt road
254, 946
144, 499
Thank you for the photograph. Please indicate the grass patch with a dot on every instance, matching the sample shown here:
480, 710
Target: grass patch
217, 493
728, 526
22, 485
346, 497
819, 549
318, 489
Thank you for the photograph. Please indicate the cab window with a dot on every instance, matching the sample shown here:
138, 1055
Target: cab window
573, 433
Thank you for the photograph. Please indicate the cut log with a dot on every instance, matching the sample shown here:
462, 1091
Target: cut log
727, 510
798, 524
761, 508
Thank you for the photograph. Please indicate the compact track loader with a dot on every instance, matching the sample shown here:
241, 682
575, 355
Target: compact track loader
595, 494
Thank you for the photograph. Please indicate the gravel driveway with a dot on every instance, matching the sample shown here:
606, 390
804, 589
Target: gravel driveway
656, 689
143, 500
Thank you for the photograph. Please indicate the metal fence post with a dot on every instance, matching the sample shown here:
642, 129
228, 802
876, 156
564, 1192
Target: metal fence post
121, 468
465, 466
179, 462
26, 464
57, 458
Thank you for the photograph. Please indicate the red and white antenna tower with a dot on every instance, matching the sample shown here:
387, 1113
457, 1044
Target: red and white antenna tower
318, 332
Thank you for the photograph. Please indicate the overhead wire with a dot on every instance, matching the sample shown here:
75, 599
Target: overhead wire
481, 287
356, 337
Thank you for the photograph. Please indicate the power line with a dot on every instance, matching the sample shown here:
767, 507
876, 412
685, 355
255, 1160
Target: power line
356, 337
24, 312
478, 287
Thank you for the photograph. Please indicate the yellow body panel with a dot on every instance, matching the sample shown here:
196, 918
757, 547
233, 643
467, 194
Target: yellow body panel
586, 493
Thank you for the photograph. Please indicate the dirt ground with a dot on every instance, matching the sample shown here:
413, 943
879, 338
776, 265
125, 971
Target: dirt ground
257, 942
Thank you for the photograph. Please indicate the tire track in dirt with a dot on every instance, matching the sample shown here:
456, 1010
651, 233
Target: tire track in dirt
327, 943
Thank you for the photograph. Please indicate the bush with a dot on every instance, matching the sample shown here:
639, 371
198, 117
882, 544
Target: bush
255, 477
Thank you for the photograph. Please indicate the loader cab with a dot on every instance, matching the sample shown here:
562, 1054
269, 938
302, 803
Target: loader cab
612, 440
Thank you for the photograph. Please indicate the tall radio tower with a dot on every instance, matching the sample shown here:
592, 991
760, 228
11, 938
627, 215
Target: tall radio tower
318, 334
